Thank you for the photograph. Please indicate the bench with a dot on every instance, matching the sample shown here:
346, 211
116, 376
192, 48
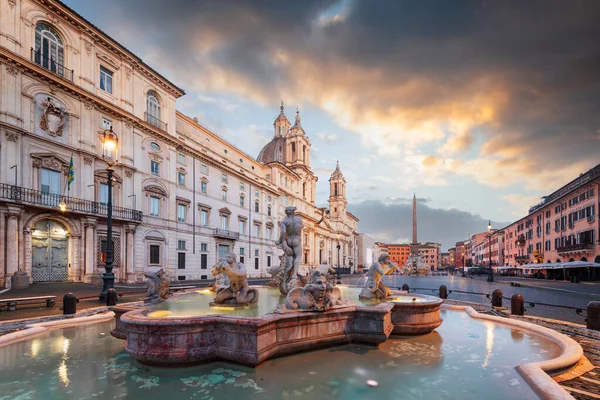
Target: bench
11, 304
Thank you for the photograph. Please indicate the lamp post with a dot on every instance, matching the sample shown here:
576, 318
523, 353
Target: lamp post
491, 275
463, 264
338, 257
109, 154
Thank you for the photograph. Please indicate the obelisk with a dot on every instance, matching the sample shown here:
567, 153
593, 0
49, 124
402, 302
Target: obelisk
414, 245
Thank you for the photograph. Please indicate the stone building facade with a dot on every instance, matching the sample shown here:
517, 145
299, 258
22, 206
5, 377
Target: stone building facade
183, 196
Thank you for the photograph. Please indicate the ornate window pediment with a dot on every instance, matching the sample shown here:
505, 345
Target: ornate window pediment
50, 161
204, 207
181, 200
225, 211
101, 176
155, 190
108, 60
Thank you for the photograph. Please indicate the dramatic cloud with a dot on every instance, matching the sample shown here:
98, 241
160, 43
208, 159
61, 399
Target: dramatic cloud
393, 221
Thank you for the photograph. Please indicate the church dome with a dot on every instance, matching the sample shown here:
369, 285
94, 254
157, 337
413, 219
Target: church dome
273, 151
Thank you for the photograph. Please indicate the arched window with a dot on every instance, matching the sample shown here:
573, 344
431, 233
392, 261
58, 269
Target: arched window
152, 108
49, 48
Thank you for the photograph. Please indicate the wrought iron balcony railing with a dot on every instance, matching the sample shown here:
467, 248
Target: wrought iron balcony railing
51, 64
152, 120
522, 258
23, 195
224, 233
574, 247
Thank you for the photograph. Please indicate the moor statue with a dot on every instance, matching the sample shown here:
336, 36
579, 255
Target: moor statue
291, 242
157, 286
318, 295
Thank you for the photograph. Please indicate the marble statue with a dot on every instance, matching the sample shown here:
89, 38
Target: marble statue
329, 273
157, 286
318, 295
221, 280
374, 287
238, 292
276, 271
291, 243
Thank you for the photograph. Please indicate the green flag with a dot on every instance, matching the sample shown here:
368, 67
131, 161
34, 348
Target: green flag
71, 176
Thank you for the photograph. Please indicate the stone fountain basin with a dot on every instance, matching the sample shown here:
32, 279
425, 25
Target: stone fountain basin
249, 341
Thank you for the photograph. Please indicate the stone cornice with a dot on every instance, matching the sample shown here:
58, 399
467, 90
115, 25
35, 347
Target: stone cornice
80, 23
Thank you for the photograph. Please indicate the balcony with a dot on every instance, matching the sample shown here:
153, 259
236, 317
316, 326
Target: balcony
51, 64
26, 196
152, 120
225, 234
522, 259
575, 248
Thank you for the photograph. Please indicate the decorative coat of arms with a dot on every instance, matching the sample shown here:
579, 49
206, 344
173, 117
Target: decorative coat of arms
53, 118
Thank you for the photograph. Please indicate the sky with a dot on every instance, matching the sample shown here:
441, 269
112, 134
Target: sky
478, 107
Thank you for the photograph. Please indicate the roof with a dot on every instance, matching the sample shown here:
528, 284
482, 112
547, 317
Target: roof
273, 151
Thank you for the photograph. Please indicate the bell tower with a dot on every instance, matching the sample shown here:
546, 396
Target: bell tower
337, 193
298, 144
281, 124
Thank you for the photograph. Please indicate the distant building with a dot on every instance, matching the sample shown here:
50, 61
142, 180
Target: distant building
563, 227
445, 260
366, 250
399, 253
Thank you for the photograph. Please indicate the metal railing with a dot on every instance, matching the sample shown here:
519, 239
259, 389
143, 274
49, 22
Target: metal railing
574, 247
51, 64
50, 200
224, 233
152, 120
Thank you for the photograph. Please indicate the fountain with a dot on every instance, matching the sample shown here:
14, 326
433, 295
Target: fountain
387, 343
415, 266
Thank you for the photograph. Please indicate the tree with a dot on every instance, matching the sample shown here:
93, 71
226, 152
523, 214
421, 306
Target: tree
469, 263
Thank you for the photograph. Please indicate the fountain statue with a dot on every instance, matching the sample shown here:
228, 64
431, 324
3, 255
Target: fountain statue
374, 287
415, 265
221, 280
318, 295
291, 243
157, 286
238, 292
276, 271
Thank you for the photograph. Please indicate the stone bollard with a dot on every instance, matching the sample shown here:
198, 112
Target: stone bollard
339, 280
406, 288
111, 297
517, 306
443, 292
593, 315
70, 304
497, 298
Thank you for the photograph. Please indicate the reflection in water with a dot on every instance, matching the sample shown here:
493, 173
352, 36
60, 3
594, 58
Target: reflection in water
63, 372
489, 342
445, 364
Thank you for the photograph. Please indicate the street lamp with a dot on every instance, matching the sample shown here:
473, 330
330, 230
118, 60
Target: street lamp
491, 275
463, 264
109, 154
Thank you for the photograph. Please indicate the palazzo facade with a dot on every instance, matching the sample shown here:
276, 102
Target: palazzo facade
182, 195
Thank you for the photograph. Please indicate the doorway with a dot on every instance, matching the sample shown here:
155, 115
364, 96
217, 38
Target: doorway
49, 249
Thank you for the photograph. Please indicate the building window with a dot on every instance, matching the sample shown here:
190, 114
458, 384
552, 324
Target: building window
203, 217
242, 187
181, 211
256, 263
154, 146
203, 261
204, 187
154, 168
242, 227
154, 254
50, 181
181, 178
180, 260
224, 178
106, 123
203, 246
269, 233
49, 50
181, 245
257, 230
242, 251
181, 158
268, 261
242, 201
256, 206
269, 211
103, 193
256, 193
154, 206
224, 195
106, 77
152, 108
224, 222
204, 169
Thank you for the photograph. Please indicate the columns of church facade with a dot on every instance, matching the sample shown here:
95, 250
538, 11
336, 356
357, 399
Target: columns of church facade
129, 274
90, 247
12, 241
